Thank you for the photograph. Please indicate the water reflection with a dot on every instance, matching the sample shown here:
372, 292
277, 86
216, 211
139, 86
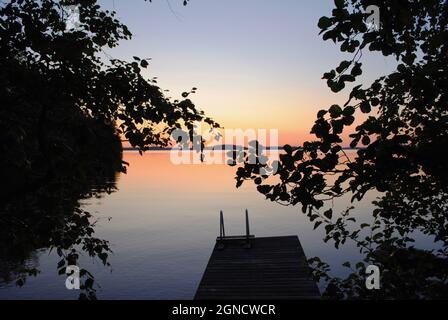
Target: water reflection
164, 219
163, 226
51, 218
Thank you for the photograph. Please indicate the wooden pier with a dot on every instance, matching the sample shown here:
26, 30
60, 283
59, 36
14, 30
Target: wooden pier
246, 267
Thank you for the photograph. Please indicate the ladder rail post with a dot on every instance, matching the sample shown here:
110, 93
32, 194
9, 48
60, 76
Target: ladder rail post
222, 231
247, 228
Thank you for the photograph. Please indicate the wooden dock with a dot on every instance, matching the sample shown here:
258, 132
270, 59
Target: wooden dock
272, 268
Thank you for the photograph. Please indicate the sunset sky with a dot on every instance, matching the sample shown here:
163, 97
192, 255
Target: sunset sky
256, 63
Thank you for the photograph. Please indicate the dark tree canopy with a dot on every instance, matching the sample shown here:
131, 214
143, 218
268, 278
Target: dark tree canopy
51, 74
65, 106
401, 143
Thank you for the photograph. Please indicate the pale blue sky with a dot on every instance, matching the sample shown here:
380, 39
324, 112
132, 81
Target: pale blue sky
256, 63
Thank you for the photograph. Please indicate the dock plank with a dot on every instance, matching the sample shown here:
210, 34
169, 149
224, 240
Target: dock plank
273, 268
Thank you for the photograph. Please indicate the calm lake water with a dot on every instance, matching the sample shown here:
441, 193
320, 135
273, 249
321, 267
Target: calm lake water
162, 224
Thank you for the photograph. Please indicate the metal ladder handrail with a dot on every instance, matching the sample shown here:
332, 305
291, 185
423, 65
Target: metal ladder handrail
222, 233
